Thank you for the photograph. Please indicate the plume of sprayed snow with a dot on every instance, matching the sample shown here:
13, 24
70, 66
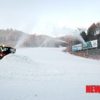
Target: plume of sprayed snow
68, 31
52, 42
60, 41
21, 40
77, 35
47, 42
56, 32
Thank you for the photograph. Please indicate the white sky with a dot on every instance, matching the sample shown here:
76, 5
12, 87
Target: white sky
50, 17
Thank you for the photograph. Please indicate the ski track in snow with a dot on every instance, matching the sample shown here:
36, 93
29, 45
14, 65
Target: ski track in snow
47, 74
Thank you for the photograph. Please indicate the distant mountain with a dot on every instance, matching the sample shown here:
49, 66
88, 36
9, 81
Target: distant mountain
17, 38
10, 36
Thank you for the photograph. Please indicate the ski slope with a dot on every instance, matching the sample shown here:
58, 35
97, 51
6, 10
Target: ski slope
47, 74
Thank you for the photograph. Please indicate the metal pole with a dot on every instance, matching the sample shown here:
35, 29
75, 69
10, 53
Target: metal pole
87, 49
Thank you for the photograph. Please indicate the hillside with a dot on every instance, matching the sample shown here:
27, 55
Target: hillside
47, 74
10, 36
17, 38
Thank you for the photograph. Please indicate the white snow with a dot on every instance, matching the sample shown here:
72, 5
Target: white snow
47, 74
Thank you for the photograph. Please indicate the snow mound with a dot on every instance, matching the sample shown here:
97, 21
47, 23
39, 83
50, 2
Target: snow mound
17, 58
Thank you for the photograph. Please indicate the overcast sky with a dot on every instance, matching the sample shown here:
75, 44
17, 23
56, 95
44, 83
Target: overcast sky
48, 16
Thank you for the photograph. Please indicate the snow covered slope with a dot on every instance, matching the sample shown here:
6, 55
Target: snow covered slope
47, 74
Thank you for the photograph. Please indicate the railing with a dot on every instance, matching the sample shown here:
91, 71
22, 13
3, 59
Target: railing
90, 56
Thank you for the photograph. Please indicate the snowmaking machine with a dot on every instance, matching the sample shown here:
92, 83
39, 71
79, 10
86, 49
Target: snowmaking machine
5, 50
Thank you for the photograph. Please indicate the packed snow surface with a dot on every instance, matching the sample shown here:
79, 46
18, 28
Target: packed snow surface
47, 74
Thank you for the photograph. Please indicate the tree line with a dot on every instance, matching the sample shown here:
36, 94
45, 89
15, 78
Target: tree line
93, 32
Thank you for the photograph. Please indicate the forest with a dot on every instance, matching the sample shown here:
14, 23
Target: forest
93, 32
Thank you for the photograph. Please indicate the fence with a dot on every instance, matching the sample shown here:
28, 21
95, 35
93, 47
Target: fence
83, 54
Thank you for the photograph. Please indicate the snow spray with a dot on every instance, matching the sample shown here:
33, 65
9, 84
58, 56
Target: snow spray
51, 41
69, 31
21, 41
77, 35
